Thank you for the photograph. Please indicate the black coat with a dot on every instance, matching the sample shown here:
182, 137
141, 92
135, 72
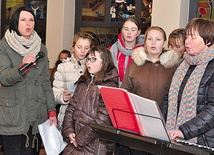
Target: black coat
201, 126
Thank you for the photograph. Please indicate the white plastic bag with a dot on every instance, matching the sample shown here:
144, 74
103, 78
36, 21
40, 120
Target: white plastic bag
52, 138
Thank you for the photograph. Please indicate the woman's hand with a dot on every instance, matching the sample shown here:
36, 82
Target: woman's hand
28, 59
72, 139
174, 134
53, 120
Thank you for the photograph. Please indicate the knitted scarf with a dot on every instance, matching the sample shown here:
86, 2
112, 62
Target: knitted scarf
187, 109
22, 45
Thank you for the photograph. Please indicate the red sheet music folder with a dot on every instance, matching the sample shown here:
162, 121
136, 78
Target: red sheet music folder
133, 113
120, 109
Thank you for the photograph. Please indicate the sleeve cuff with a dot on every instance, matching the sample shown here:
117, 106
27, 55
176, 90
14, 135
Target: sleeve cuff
52, 113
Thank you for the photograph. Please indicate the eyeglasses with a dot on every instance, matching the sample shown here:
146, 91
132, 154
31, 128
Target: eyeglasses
93, 59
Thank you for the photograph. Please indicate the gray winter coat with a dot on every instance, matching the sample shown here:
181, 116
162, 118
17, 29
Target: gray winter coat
25, 99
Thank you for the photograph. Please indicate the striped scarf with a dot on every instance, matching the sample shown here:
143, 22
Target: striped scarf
187, 109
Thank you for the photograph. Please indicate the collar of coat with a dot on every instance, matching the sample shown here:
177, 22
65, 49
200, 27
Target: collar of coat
167, 59
73, 59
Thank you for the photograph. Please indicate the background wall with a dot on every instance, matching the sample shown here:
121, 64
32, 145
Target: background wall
60, 27
170, 14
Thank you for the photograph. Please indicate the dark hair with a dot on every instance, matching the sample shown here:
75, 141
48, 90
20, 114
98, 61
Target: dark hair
57, 63
64, 52
95, 39
83, 35
108, 63
15, 19
203, 27
134, 20
177, 34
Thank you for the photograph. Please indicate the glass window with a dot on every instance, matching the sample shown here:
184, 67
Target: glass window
122, 9
11, 6
146, 12
93, 10
205, 9
107, 36
39, 8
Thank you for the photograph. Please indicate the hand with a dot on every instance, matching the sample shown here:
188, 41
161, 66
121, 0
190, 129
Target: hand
28, 59
66, 96
72, 139
173, 134
53, 120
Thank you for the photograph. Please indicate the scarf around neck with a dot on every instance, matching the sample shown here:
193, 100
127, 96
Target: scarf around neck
22, 45
187, 109
122, 59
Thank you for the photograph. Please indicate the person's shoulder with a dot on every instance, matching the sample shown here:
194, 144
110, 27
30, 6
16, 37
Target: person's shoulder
43, 48
169, 58
139, 56
3, 41
67, 64
4, 45
113, 46
211, 63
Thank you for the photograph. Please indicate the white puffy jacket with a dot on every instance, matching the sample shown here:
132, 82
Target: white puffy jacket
68, 72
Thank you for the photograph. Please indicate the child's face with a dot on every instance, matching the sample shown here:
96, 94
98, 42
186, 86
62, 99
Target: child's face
130, 32
154, 42
63, 56
94, 63
177, 45
81, 48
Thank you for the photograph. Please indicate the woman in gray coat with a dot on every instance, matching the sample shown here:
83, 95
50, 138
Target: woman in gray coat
26, 97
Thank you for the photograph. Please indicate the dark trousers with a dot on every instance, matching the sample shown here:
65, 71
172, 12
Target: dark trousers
21, 145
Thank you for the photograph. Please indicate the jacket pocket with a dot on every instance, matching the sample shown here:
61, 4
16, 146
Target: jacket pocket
10, 112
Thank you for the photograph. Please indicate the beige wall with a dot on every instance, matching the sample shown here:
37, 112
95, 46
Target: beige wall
169, 14
60, 27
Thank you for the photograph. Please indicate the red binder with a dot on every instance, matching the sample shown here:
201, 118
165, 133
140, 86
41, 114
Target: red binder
120, 108
133, 113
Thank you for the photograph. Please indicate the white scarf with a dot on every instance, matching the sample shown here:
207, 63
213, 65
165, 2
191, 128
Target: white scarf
22, 45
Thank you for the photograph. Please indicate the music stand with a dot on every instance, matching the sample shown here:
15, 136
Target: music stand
135, 114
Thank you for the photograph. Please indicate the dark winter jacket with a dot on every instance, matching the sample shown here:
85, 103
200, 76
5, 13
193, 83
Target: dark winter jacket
147, 79
87, 107
202, 126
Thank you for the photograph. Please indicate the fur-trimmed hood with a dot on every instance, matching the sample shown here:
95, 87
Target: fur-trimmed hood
167, 59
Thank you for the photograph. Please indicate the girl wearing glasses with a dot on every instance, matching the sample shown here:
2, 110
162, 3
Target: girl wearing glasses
69, 71
87, 106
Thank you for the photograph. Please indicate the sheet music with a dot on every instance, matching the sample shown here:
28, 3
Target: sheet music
148, 115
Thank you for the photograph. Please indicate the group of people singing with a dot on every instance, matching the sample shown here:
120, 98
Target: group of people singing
178, 75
